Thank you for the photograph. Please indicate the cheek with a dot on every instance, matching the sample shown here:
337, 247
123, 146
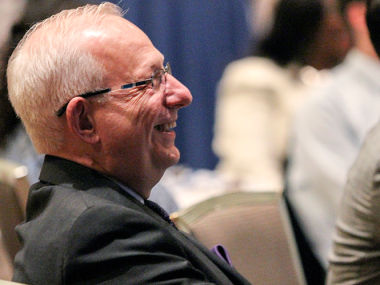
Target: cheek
143, 113
131, 122
113, 126
121, 115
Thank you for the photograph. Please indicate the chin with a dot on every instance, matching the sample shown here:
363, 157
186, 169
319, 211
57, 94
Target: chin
174, 159
170, 158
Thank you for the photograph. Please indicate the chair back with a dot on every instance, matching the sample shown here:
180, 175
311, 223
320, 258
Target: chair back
255, 229
14, 187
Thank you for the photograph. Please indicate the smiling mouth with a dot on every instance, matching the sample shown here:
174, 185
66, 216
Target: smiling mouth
166, 127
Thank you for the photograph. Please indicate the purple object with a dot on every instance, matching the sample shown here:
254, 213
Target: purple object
222, 253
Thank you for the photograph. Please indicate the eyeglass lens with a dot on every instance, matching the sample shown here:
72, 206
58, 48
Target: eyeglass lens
160, 76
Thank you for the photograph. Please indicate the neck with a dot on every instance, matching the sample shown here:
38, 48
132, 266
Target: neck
364, 44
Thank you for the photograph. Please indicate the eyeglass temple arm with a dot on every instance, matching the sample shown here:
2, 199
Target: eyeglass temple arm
62, 110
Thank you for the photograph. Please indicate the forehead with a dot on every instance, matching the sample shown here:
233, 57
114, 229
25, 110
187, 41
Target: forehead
123, 48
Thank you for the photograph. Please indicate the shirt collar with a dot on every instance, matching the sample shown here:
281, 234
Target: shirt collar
365, 65
128, 190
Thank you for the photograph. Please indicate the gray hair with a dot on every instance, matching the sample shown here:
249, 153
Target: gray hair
45, 74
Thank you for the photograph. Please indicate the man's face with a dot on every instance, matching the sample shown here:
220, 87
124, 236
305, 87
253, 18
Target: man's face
135, 125
331, 42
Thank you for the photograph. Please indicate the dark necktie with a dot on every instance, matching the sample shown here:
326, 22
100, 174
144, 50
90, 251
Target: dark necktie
161, 212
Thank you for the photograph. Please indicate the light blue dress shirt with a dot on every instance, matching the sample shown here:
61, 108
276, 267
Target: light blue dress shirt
328, 132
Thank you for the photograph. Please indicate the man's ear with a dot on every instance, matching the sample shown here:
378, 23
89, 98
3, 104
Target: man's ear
80, 121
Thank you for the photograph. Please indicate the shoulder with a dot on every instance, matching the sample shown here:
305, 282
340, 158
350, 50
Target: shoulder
60, 220
359, 211
366, 169
70, 229
254, 70
54, 201
323, 103
363, 182
342, 85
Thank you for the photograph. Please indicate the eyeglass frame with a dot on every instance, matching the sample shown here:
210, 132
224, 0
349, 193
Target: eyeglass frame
167, 69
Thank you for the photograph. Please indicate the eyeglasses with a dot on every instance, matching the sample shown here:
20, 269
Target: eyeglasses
156, 79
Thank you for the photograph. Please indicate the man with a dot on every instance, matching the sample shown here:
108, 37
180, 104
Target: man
95, 95
328, 132
355, 257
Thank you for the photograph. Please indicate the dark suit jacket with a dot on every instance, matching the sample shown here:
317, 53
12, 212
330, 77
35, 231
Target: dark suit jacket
82, 228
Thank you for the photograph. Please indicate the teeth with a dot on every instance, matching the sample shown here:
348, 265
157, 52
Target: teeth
170, 125
166, 127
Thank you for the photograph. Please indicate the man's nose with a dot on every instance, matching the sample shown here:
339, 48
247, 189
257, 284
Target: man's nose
177, 94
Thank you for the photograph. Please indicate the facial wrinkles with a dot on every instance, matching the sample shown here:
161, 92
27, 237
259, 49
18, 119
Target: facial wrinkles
138, 110
148, 110
120, 123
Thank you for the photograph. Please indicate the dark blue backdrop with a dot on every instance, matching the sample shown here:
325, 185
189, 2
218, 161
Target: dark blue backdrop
198, 37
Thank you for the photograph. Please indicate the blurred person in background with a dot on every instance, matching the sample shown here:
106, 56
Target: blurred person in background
355, 256
328, 132
258, 95
11, 11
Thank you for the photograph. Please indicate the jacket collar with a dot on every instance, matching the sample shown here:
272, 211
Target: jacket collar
56, 170
59, 171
